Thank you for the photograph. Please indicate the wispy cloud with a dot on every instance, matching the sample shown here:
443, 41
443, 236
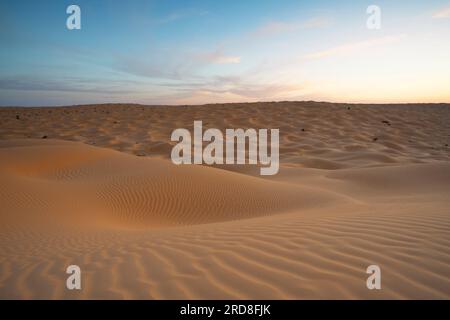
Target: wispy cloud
67, 84
269, 91
252, 93
172, 66
142, 68
278, 27
174, 16
350, 48
235, 88
443, 13
220, 58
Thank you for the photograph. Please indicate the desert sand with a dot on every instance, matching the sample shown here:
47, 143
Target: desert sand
94, 186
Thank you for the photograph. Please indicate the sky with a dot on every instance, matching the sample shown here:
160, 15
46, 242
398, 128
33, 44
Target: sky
197, 52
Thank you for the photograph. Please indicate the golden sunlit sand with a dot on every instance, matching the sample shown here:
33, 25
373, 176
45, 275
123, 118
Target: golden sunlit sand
94, 186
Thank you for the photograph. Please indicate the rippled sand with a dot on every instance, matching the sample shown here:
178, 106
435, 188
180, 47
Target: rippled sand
93, 186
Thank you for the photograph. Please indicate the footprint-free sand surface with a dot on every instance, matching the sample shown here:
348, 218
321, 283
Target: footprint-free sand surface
94, 186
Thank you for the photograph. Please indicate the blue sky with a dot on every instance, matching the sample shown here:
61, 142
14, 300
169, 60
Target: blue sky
193, 52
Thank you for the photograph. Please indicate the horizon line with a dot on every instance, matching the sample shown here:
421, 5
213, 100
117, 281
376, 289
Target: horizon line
227, 103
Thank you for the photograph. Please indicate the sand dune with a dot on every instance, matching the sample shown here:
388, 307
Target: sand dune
141, 227
138, 192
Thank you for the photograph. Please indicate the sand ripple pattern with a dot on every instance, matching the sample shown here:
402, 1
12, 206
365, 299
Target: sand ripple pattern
358, 185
